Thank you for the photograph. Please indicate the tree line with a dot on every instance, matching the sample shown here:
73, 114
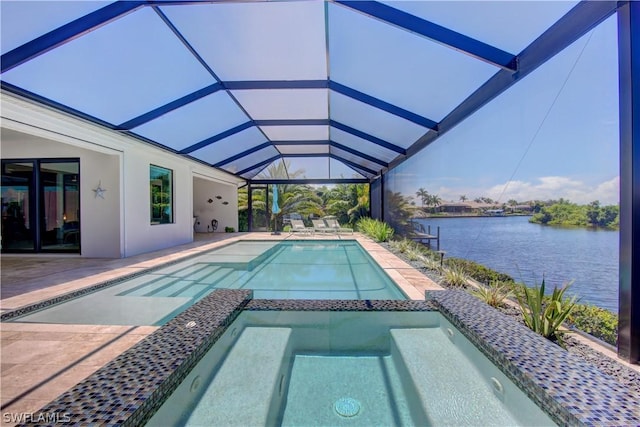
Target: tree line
565, 213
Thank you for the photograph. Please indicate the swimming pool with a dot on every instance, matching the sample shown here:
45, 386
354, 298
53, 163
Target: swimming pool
346, 368
273, 270
130, 389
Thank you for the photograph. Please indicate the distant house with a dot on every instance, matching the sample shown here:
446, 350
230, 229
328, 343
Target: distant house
481, 207
455, 207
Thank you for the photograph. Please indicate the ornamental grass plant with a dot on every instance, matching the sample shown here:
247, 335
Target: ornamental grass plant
402, 245
495, 294
544, 315
454, 277
377, 230
431, 264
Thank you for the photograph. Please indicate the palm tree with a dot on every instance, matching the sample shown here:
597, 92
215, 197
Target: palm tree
399, 211
258, 206
292, 198
434, 201
423, 195
243, 209
348, 202
488, 200
463, 198
361, 208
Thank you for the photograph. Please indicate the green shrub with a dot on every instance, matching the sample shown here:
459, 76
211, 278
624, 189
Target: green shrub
229, 230
377, 230
454, 276
544, 315
286, 228
596, 321
495, 294
478, 272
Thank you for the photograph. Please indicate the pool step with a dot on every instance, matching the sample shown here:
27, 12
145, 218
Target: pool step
171, 286
250, 382
233, 280
217, 273
446, 388
240, 278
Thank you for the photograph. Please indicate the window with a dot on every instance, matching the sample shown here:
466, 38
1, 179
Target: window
161, 188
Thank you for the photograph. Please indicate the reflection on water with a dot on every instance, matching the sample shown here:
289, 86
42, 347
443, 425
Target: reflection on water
528, 251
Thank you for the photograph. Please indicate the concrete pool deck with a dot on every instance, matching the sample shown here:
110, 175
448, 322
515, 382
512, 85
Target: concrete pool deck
40, 361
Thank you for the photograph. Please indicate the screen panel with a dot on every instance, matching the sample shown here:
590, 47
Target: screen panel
256, 41
23, 21
309, 168
338, 170
296, 133
378, 123
117, 72
355, 159
230, 146
266, 104
250, 160
194, 122
508, 25
362, 145
278, 169
303, 149
399, 67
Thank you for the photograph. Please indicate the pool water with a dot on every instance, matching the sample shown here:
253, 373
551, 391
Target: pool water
346, 369
273, 270
352, 390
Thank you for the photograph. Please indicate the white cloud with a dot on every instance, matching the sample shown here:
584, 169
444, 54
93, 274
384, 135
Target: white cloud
544, 188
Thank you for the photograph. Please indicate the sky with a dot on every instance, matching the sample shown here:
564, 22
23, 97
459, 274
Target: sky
553, 134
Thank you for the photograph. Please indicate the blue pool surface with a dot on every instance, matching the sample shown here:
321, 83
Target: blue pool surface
346, 369
273, 270
230, 358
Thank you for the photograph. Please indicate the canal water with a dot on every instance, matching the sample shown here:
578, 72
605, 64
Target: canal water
528, 251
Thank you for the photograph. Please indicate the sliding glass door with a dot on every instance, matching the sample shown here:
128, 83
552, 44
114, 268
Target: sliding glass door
61, 206
17, 206
41, 205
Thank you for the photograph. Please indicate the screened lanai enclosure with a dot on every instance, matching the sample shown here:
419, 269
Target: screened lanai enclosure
330, 91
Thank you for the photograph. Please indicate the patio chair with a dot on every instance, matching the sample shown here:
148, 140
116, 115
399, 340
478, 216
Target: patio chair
321, 227
333, 224
298, 226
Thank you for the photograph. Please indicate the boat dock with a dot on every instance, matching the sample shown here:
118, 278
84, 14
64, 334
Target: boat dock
420, 235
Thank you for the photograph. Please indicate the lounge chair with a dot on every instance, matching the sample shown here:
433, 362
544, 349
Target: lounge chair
298, 226
333, 224
320, 227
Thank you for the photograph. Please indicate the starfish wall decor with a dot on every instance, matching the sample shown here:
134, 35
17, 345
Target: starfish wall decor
99, 191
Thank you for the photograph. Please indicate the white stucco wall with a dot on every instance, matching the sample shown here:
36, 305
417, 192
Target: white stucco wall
141, 235
99, 218
119, 225
227, 215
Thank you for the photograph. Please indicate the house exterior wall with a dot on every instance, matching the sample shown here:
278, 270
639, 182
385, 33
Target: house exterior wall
226, 215
141, 235
118, 225
99, 218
